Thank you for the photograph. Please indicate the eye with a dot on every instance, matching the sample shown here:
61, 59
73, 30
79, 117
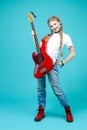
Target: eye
54, 23
51, 26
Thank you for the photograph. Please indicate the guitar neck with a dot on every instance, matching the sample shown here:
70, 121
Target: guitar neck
35, 38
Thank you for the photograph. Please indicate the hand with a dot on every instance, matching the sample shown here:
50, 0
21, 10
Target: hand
32, 34
61, 63
58, 62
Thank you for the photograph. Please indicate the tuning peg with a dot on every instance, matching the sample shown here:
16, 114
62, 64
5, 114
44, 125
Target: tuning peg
33, 14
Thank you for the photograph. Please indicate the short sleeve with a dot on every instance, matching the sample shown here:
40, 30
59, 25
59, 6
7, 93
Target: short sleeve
68, 41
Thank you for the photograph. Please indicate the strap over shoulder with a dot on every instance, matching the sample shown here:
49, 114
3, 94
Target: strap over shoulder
47, 37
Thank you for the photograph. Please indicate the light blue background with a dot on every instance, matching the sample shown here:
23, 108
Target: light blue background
18, 99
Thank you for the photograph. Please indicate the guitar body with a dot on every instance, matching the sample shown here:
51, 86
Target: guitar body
43, 62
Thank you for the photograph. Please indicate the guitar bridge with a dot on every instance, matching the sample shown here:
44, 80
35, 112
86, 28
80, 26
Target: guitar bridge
43, 70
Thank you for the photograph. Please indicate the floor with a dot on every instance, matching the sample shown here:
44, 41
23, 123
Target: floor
18, 114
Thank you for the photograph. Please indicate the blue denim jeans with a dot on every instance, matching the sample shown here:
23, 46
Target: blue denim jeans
54, 82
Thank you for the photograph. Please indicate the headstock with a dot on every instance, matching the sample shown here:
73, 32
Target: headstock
31, 17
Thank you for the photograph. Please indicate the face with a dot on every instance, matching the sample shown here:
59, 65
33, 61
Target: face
55, 26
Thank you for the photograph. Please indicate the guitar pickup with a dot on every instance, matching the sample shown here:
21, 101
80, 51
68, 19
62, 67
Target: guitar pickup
43, 70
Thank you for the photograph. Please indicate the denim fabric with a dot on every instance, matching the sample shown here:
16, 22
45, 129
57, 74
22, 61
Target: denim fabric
54, 82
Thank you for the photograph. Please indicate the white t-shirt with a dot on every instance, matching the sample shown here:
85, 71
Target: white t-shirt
53, 45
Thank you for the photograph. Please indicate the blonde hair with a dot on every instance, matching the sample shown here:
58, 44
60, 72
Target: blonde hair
60, 31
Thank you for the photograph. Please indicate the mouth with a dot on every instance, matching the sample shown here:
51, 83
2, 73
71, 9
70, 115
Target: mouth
56, 30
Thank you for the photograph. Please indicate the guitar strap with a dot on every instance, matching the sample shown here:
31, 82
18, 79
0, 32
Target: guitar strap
47, 37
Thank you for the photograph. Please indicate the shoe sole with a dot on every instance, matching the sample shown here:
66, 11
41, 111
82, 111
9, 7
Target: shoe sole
38, 120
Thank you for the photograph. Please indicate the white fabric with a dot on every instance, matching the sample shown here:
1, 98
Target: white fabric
53, 45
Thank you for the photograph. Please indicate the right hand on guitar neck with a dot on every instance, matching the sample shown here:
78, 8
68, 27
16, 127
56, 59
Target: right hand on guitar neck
32, 34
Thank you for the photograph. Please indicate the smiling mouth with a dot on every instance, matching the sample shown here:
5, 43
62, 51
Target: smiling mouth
55, 30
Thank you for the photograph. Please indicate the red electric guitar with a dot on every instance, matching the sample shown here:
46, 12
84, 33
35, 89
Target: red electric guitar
43, 62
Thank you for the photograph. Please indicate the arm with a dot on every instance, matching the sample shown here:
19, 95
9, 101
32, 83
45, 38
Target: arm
70, 56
